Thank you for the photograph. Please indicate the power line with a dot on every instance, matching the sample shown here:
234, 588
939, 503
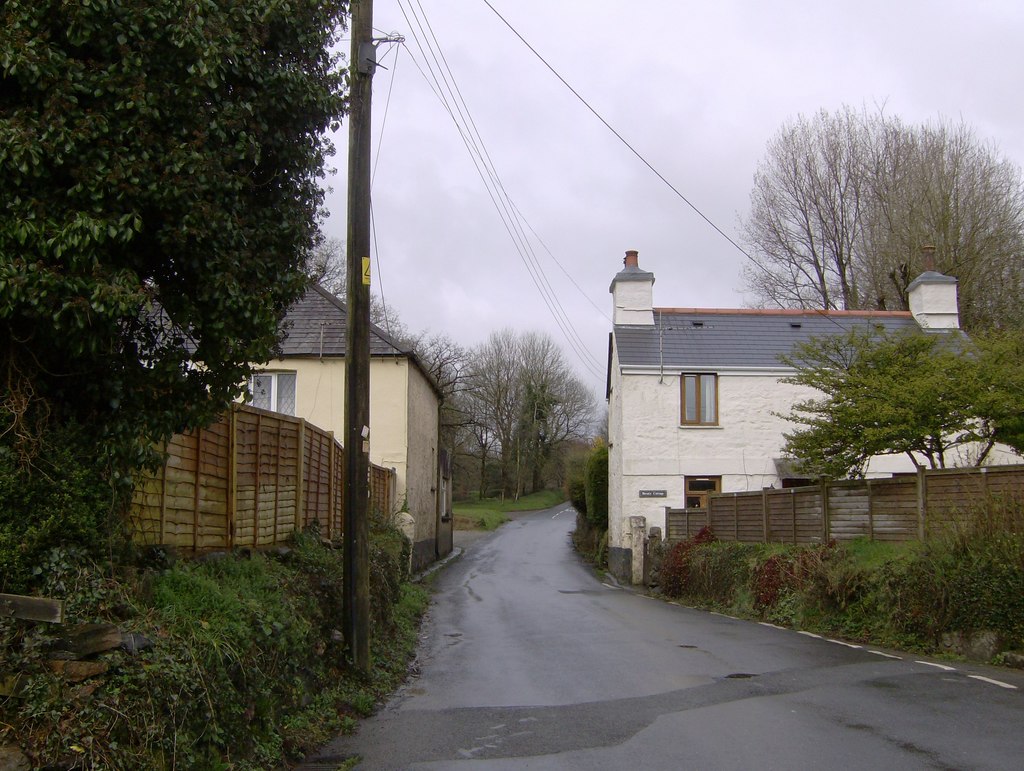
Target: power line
444, 81
619, 136
630, 147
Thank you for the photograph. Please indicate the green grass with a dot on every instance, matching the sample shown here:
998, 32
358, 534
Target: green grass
871, 555
490, 513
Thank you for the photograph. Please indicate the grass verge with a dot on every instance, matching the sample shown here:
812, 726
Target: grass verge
490, 513
238, 663
935, 597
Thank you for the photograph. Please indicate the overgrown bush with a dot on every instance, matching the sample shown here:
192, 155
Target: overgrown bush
596, 481
911, 595
58, 498
675, 566
591, 542
246, 667
576, 480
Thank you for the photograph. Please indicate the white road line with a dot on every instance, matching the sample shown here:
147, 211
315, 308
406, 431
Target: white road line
773, 626
937, 666
609, 586
848, 645
1000, 683
811, 634
887, 655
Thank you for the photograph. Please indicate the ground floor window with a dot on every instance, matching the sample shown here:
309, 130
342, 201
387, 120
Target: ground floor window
273, 391
699, 488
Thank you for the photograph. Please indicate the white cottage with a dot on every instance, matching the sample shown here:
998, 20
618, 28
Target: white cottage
694, 397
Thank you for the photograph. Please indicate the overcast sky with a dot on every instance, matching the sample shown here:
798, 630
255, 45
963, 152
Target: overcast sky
697, 88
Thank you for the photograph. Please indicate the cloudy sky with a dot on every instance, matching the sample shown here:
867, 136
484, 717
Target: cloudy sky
697, 89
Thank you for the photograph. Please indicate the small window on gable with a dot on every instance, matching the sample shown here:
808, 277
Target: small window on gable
273, 391
699, 399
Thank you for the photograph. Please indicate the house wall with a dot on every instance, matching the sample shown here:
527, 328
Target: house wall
619, 556
652, 451
422, 469
404, 425
320, 399
657, 453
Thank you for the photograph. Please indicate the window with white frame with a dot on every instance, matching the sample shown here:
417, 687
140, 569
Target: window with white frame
699, 392
273, 391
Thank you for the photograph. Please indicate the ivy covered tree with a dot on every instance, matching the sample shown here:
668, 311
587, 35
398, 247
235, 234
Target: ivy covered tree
939, 399
160, 164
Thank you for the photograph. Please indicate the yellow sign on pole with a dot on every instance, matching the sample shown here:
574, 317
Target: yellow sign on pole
366, 271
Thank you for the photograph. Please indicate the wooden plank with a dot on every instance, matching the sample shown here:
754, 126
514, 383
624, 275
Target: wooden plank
195, 502
163, 495
259, 479
86, 640
792, 502
32, 608
300, 474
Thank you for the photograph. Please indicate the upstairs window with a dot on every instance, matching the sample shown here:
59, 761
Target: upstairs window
699, 399
274, 391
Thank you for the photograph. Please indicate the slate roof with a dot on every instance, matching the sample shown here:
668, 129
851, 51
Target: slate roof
316, 326
713, 339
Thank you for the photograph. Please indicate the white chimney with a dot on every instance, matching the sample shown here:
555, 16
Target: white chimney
632, 293
933, 296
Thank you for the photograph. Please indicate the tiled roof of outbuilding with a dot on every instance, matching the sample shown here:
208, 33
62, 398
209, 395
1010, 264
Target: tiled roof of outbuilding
712, 339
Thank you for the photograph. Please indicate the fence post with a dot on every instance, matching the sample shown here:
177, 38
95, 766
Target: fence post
764, 513
259, 473
195, 491
163, 497
735, 518
277, 478
871, 512
792, 506
330, 482
826, 526
300, 477
922, 504
229, 526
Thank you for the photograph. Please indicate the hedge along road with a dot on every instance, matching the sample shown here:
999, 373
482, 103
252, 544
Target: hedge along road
529, 661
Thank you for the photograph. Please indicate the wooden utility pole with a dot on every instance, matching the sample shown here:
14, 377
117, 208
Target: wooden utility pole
357, 352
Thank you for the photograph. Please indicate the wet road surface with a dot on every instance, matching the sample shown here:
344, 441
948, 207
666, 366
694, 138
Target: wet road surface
529, 661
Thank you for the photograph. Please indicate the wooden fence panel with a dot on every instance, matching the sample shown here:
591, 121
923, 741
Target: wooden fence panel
901, 508
894, 509
250, 479
948, 496
848, 511
751, 516
807, 510
1004, 483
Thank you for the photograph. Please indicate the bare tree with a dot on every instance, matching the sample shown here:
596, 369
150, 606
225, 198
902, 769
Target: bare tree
843, 204
529, 404
938, 185
806, 214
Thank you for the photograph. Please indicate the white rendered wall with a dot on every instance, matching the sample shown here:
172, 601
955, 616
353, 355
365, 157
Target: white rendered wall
616, 514
654, 452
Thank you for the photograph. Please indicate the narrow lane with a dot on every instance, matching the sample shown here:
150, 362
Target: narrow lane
530, 662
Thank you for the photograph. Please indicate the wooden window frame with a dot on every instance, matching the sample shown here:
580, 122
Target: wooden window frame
715, 479
699, 402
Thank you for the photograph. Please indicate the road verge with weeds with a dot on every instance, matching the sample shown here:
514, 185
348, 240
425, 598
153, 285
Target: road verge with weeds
961, 593
234, 661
